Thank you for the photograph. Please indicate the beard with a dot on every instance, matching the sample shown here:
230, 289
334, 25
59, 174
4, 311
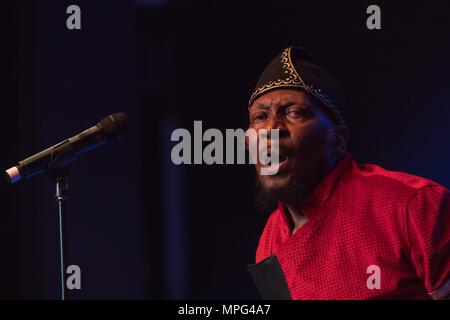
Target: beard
267, 198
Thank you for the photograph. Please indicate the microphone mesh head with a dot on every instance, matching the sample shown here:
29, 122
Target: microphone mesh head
115, 125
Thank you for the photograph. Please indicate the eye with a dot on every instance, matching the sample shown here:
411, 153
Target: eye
261, 116
296, 112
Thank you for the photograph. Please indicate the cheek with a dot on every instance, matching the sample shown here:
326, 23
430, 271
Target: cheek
310, 140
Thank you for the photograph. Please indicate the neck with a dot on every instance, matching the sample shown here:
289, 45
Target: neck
297, 218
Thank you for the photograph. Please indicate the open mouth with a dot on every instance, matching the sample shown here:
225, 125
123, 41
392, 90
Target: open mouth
278, 164
282, 158
282, 161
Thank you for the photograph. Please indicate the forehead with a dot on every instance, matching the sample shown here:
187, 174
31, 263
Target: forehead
281, 97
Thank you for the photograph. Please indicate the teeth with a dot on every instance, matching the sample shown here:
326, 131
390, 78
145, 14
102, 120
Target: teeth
280, 160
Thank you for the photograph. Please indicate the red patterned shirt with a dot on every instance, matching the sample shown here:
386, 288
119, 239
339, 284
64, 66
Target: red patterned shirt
371, 234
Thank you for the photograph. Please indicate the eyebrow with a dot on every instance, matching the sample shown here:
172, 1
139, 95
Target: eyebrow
260, 106
284, 104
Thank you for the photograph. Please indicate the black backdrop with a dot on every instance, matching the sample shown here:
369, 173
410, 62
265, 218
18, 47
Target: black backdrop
141, 227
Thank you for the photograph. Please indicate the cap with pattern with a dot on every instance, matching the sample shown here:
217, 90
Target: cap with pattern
294, 69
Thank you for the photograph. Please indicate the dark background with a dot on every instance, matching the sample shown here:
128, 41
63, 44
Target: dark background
142, 228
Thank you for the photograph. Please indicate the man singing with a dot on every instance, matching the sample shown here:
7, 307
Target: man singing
342, 230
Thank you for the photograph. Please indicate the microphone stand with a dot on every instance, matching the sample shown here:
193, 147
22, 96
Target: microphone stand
61, 194
58, 169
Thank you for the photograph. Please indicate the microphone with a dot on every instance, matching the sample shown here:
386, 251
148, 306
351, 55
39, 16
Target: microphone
110, 128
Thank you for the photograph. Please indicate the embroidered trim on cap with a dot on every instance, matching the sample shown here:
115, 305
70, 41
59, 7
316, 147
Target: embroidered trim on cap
292, 79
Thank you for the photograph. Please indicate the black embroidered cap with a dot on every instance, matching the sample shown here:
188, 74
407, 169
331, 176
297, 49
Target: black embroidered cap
294, 69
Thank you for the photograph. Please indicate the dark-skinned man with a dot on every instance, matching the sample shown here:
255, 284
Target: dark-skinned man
342, 230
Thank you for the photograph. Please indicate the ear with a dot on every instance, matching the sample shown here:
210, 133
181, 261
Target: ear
340, 133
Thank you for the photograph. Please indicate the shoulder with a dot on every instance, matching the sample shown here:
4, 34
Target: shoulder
382, 184
429, 208
391, 200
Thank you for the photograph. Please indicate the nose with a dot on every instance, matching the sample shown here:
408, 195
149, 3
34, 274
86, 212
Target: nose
276, 122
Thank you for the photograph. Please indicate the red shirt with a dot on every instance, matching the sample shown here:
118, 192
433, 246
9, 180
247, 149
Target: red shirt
371, 233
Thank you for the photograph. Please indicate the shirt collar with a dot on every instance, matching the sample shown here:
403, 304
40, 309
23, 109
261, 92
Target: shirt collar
325, 189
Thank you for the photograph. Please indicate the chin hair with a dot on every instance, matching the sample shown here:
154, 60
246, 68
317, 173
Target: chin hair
267, 198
